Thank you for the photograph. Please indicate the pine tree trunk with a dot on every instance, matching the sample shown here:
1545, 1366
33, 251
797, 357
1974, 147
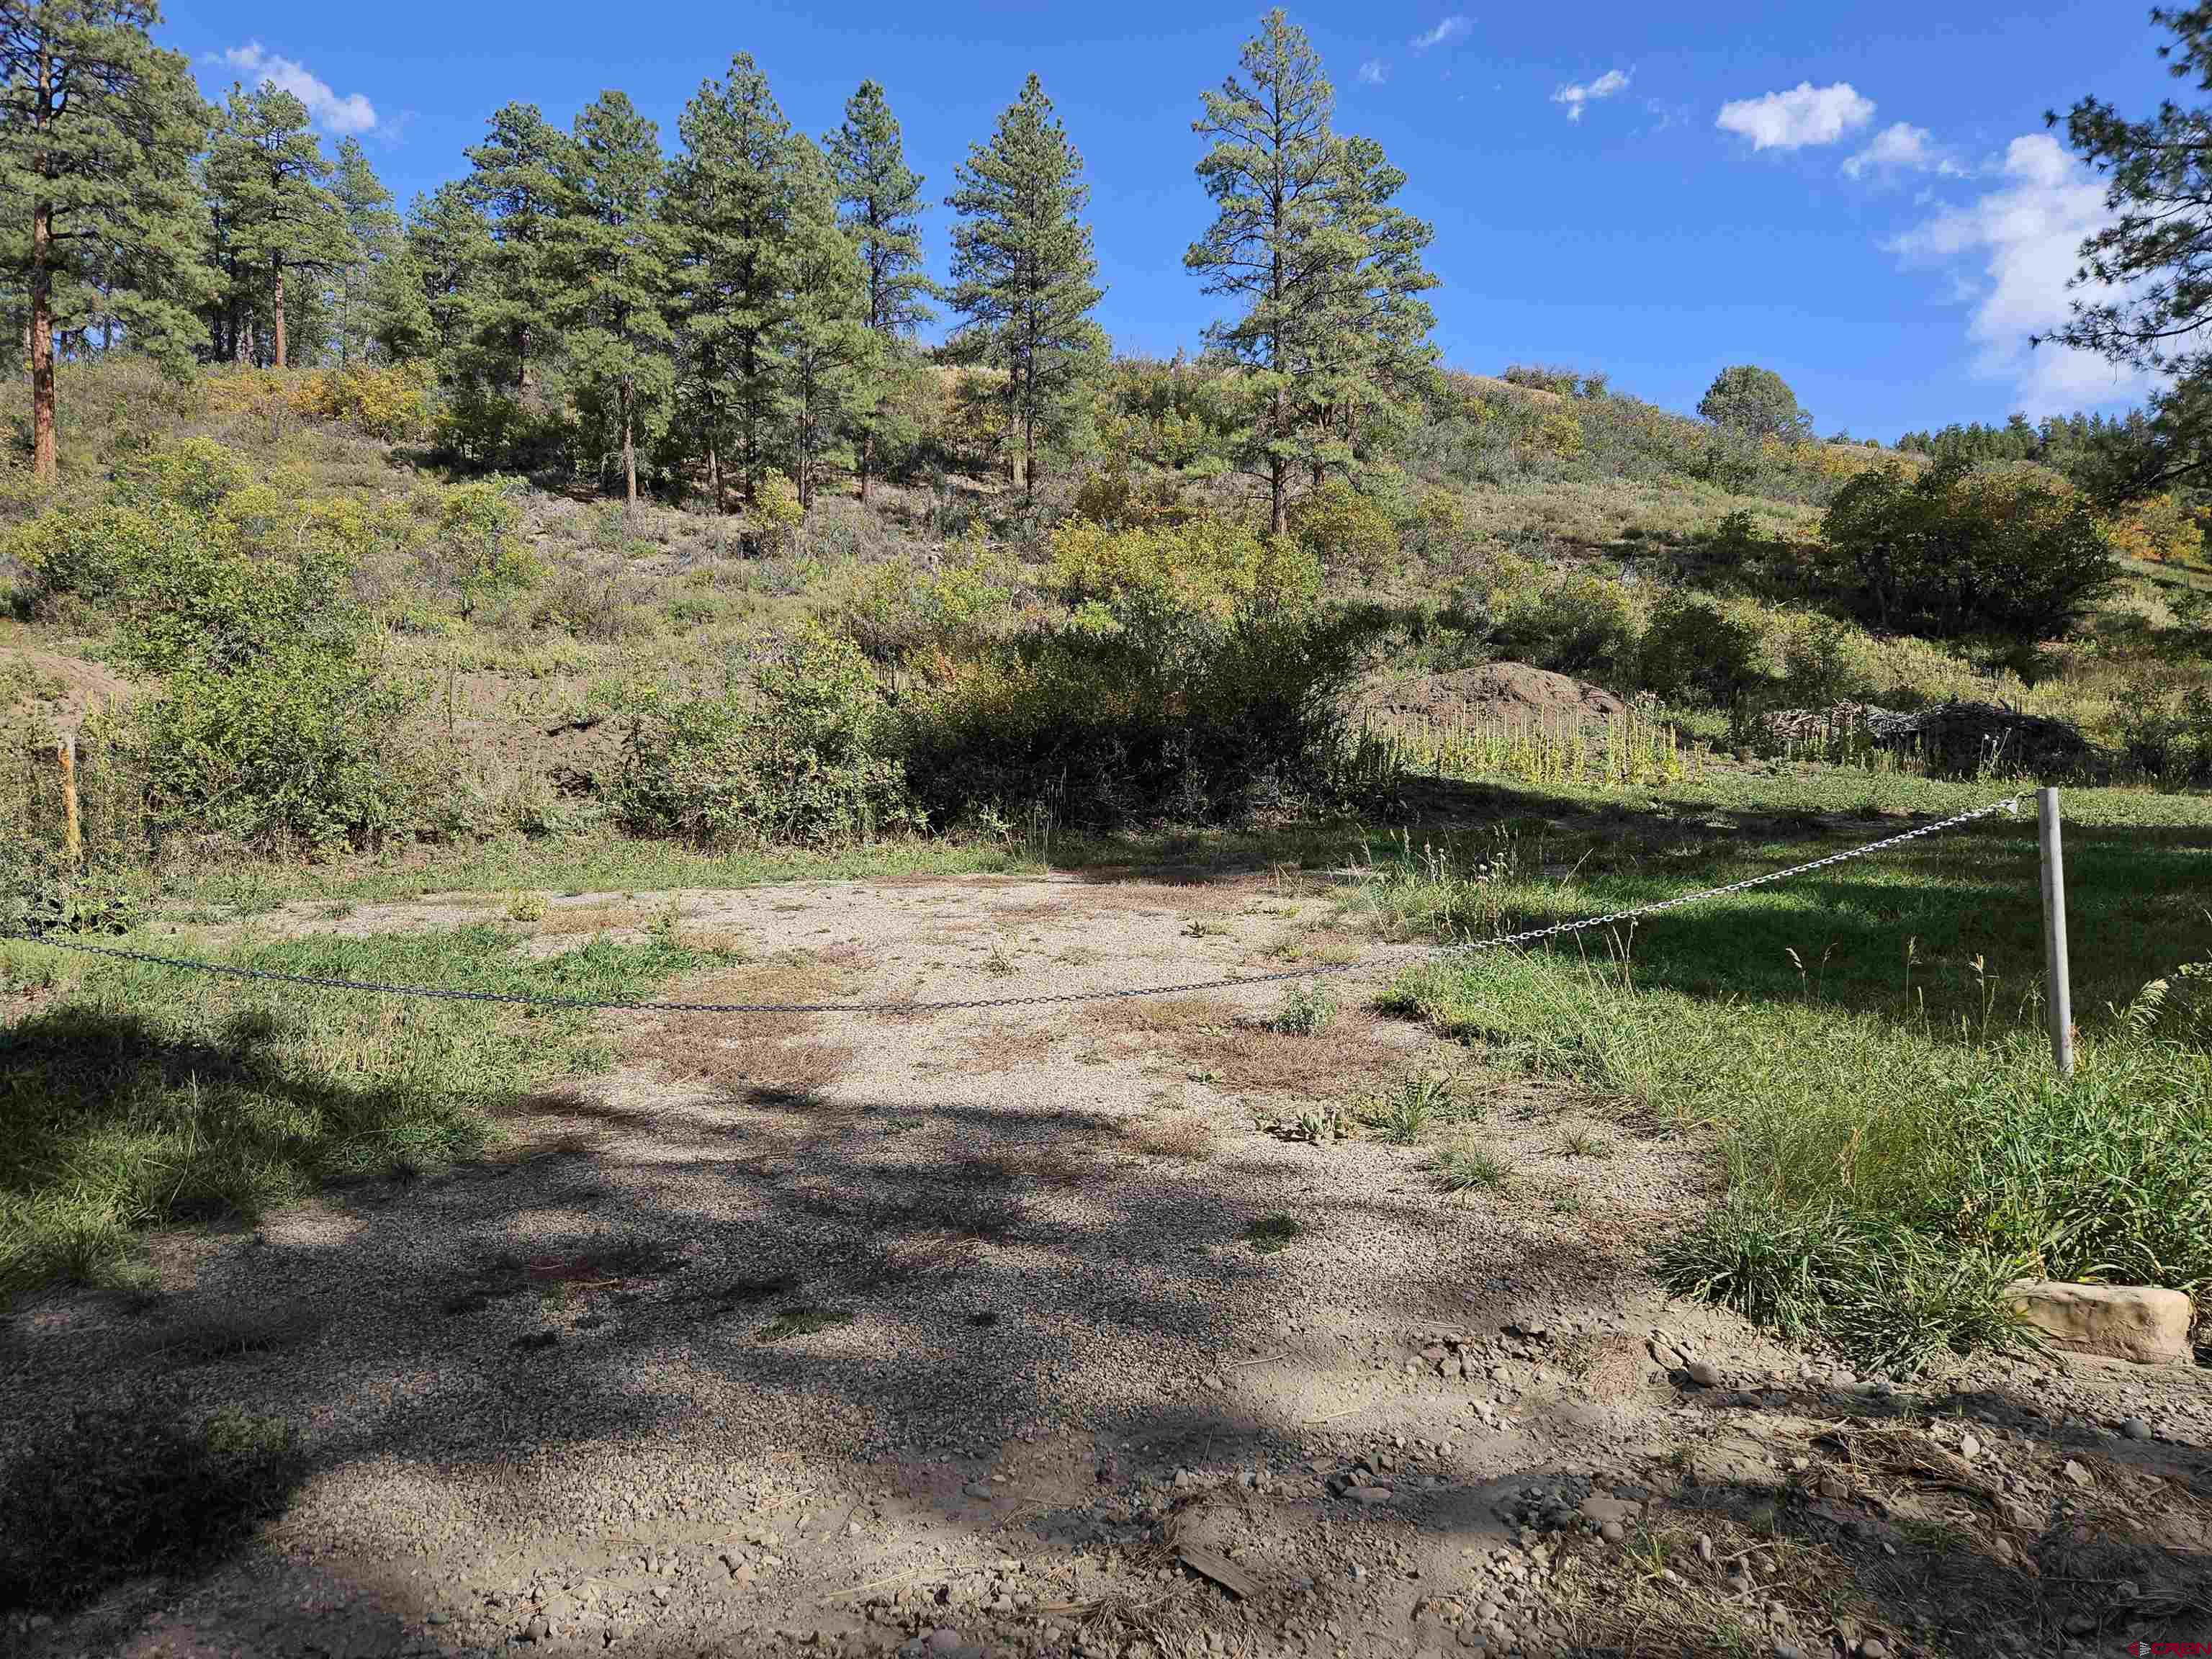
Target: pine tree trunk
522, 359
867, 462
45, 463
276, 270
714, 475
241, 338
629, 445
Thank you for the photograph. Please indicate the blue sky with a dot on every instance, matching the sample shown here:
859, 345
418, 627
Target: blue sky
1860, 197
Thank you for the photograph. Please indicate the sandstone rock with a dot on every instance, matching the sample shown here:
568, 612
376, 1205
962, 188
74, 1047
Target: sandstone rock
2135, 1323
1497, 689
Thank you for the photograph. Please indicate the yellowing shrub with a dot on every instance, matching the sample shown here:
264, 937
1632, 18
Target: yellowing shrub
1208, 566
2161, 529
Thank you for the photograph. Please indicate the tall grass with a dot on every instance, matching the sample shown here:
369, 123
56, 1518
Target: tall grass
1634, 747
1885, 1179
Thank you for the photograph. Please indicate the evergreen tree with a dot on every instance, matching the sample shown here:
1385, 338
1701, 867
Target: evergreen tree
515, 183
611, 257
826, 346
1023, 268
1334, 330
2151, 267
1275, 173
1374, 356
97, 131
448, 255
265, 174
729, 204
880, 196
374, 229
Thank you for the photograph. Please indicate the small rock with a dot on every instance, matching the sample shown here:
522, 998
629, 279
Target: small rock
1788, 1651
943, 1640
2078, 1473
1704, 1547
1874, 1648
1704, 1373
1368, 1496
2134, 1429
1613, 1532
1969, 1447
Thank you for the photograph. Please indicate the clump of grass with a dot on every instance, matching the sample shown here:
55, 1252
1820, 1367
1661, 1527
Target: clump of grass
141, 1486
1189, 1136
1271, 1233
526, 907
804, 1322
1581, 1141
1468, 1169
1308, 1010
1403, 1115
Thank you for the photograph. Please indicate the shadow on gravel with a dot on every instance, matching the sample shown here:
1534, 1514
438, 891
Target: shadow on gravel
647, 1345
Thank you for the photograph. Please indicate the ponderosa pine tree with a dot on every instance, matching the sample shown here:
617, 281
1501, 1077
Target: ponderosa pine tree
826, 347
610, 265
374, 227
515, 183
1330, 272
1025, 275
1374, 358
448, 256
729, 205
880, 198
2146, 277
1273, 172
97, 131
265, 173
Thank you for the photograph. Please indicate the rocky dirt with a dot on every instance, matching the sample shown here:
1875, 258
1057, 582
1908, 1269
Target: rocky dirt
1057, 1332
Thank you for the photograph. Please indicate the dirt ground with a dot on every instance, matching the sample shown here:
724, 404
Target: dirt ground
1068, 1332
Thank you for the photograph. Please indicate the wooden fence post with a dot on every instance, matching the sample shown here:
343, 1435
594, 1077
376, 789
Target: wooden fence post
72, 822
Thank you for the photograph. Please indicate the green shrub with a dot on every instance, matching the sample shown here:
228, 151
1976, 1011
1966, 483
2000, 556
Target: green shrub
804, 754
300, 745
1345, 530
1755, 402
144, 1485
1693, 649
1820, 663
1955, 552
776, 513
1209, 567
478, 552
1576, 624
1166, 715
1308, 1010
901, 611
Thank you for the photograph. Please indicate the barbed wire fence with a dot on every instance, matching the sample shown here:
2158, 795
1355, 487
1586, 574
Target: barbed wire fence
912, 1006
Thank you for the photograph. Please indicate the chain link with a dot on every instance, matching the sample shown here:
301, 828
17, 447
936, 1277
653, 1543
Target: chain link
1503, 942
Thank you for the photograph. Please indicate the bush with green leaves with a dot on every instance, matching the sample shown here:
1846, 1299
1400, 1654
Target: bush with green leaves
1345, 531
1754, 402
1694, 651
1579, 624
2008, 553
477, 551
803, 752
1209, 567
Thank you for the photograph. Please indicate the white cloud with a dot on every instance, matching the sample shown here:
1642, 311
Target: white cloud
1452, 28
1805, 114
2024, 234
1577, 98
351, 113
1902, 148
1374, 72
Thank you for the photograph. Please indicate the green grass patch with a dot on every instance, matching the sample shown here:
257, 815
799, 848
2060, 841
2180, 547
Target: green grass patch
140, 1096
1468, 1169
1271, 1233
1886, 1176
804, 1322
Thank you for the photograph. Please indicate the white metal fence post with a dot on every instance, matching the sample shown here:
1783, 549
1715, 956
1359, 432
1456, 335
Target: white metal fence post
2058, 1000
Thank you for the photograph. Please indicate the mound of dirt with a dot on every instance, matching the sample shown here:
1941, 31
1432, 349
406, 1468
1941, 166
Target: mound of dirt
1507, 689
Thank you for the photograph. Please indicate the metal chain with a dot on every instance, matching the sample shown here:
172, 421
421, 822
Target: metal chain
1507, 941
